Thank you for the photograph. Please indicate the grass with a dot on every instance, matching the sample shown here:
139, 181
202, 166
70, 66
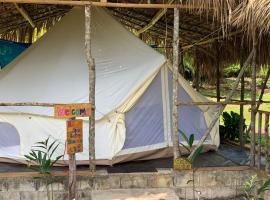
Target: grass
225, 88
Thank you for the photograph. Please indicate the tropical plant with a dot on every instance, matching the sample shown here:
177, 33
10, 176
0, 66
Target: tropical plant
42, 154
251, 190
190, 140
189, 144
230, 129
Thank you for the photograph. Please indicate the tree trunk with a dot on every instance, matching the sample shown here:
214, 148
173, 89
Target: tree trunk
92, 82
253, 104
176, 149
216, 118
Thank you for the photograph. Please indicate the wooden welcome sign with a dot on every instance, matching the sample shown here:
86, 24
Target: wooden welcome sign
72, 110
74, 136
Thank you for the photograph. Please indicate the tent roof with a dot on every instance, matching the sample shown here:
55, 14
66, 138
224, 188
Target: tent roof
209, 19
123, 64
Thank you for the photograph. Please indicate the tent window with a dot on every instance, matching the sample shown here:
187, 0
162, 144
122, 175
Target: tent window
10, 140
144, 122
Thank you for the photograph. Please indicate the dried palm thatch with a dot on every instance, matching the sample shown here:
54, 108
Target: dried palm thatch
209, 20
252, 15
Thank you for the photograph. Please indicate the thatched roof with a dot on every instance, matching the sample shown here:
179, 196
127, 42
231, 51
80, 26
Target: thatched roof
204, 25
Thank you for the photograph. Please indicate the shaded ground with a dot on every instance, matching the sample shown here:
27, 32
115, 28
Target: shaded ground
225, 156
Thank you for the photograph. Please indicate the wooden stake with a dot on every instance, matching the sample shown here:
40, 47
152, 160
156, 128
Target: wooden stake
176, 149
92, 82
259, 141
266, 132
253, 104
217, 73
242, 98
72, 177
213, 123
197, 75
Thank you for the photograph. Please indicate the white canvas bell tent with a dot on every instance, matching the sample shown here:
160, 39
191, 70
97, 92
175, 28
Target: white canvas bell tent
133, 93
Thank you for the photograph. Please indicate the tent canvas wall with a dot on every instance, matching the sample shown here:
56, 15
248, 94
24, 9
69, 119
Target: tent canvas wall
133, 93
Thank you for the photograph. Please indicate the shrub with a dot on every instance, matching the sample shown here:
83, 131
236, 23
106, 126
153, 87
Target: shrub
42, 154
230, 129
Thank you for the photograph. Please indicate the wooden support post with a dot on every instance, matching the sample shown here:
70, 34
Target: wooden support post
242, 98
216, 117
260, 100
181, 67
253, 104
92, 82
176, 149
259, 141
72, 177
197, 76
217, 73
266, 132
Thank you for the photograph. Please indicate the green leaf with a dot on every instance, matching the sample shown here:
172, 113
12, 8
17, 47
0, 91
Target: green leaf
191, 140
53, 151
196, 153
29, 158
51, 145
46, 141
265, 186
183, 135
57, 158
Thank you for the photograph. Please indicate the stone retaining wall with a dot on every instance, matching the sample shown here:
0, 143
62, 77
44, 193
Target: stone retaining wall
223, 183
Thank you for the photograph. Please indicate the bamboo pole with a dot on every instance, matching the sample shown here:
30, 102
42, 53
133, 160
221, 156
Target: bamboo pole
222, 103
266, 133
216, 118
92, 82
242, 98
211, 40
106, 4
30, 104
25, 15
176, 149
253, 104
259, 140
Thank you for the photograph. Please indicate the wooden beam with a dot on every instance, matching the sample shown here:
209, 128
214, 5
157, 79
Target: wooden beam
106, 4
155, 19
221, 103
211, 40
25, 14
30, 104
175, 124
